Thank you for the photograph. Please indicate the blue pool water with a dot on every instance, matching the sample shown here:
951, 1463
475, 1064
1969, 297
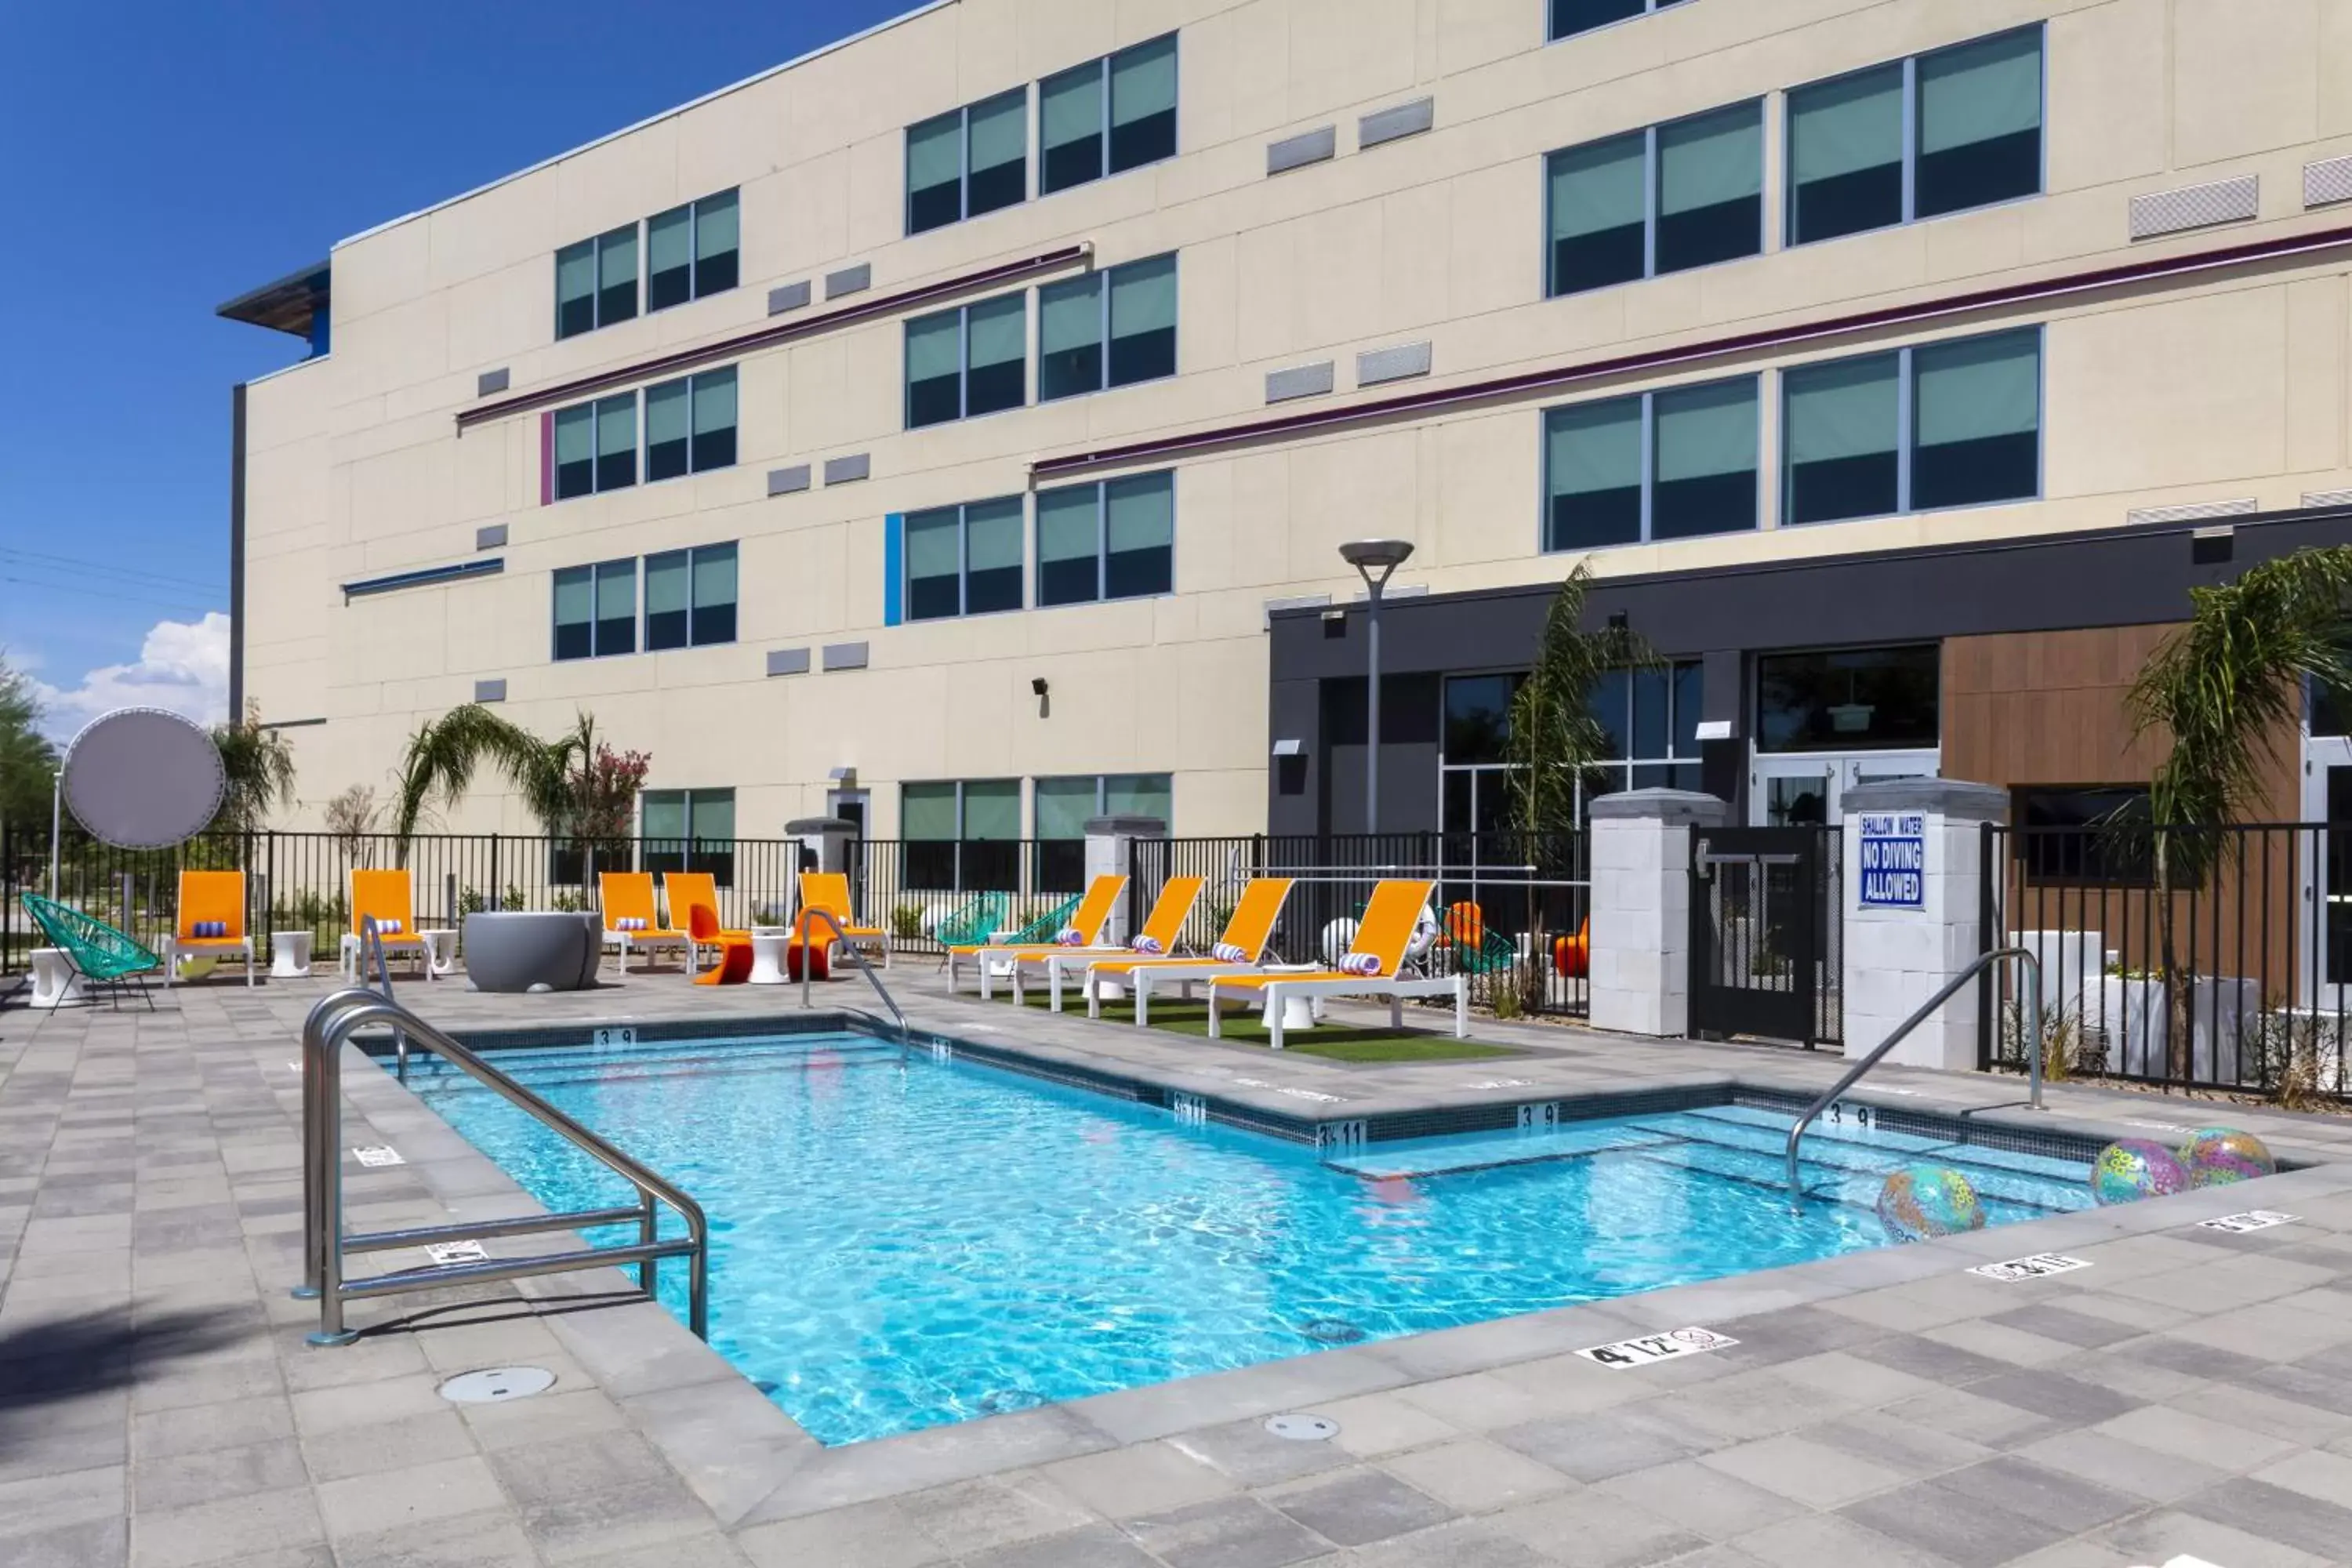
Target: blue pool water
899, 1242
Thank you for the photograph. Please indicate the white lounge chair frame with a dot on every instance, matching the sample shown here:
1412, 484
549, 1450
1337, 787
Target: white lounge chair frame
1396, 989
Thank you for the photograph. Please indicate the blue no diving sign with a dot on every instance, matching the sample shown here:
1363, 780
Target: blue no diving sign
1894, 861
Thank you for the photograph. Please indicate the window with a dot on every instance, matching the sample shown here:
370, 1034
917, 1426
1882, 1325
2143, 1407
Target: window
967, 162
1569, 16
1111, 540
597, 610
1064, 805
968, 362
1652, 718
1662, 200
1937, 133
1973, 413
690, 251
1850, 699
1106, 328
596, 446
964, 560
2096, 833
690, 597
1655, 466
1133, 92
962, 836
688, 830
690, 424
596, 282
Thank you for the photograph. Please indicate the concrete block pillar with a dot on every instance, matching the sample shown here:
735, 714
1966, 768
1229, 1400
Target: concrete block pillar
1641, 907
1914, 913
1110, 852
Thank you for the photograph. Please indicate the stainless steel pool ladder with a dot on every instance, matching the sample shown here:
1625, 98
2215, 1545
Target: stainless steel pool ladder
330, 1026
372, 948
2032, 1030
841, 942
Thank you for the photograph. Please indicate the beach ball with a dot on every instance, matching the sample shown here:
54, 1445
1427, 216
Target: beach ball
1921, 1201
2136, 1168
1337, 938
2217, 1156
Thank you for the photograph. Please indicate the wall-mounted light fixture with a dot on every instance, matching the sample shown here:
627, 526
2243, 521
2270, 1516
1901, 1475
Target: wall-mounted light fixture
1038, 688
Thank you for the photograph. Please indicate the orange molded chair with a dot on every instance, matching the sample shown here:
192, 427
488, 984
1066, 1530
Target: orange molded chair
734, 965
693, 893
210, 922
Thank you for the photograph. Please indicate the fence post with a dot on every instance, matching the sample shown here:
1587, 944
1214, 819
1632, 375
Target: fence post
494, 897
1640, 948
1110, 852
1915, 913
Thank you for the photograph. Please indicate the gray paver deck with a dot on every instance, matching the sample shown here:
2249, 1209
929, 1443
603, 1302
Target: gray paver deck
2186, 1393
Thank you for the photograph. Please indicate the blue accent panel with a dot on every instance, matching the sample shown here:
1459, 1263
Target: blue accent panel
894, 569
320, 331
430, 574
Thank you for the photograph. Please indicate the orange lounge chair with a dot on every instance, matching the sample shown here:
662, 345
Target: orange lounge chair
829, 892
211, 923
1246, 938
1163, 928
1374, 966
630, 922
390, 898
734, 965
1092, 914
692, 891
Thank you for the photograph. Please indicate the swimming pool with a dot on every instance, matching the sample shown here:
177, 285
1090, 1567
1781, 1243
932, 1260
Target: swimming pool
899, 1241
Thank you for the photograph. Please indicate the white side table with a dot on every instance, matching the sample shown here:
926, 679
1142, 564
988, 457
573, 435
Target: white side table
1297, 1012
440, 952
768, 946
55, 981
290, 955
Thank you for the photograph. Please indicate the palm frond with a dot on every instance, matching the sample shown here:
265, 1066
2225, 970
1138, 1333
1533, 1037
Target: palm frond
1555, 738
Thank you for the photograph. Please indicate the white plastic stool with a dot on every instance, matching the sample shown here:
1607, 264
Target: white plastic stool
55, 981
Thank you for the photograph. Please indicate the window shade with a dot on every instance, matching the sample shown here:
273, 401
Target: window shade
1142, 512
1143, 81
1137, 794
1842, 126
928, 811
1595, 447
1968, 391
616, 426
575, 271
1703, 431
714, 577
714, 401
1845, 410
617, 591
935, 152
1000, 330
575, 596
935, 346
575, 440
1070, 314
712, 816
1981, 90
666, 582
715, 223
934, 544
992, 809
1070, 106
1143, 297
1067, 526
1713, 159
669, 240
664, 813
666, 412
1063, 806
1000, 129
616, 259
993, 534
1597, 188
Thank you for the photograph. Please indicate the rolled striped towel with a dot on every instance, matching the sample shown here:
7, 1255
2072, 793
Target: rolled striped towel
212, 928
1359, 964
1147, 945
629, 922
388, 928
1072, 936
1230, 952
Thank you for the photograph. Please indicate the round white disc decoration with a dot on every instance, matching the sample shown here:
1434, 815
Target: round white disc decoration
142, 778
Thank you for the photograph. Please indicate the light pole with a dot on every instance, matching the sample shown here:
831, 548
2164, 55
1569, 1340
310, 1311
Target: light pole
1376, 560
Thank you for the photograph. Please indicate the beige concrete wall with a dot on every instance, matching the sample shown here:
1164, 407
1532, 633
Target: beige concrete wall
2219, 386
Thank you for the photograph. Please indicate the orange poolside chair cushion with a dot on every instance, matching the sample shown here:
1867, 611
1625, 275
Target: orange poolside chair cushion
1165, 923
1382, 935
628, 895
693, 893
389, 896
1093, 913
734, 965
829, 892
1249, 929
212, 909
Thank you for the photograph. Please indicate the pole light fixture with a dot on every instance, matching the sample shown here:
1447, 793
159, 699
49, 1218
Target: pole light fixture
1376, 560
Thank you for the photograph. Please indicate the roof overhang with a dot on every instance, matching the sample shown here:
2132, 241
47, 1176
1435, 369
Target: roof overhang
288, 305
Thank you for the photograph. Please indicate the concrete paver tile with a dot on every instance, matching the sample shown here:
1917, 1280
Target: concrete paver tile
1228, 1532
486, 1539
1147, 1479
204, 1473
1357, 1507
226, 1531
865, 1535
1090, 1546
1472, 1475
1596, 1531
1796, 1467
425, 1438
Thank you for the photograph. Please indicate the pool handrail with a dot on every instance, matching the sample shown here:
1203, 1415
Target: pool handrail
1895, 1036
324, 1032
372, 946
840, 944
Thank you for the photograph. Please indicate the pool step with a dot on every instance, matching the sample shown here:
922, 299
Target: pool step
1409, 1157
2005, 1195
2033, 1180
551, 1068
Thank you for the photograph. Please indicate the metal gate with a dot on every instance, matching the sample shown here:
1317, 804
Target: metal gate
1766, 933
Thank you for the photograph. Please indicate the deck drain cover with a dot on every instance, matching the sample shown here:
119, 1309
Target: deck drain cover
1303, 1428
496, 1384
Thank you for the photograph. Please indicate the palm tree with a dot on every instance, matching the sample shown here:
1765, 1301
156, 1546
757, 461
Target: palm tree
443, 753
259, 766
2223, 690
1555, 739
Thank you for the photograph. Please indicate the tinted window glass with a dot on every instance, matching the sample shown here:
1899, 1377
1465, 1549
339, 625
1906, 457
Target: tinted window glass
935, 173
1847, 700
669, 430
1144, 104
1139, 536
1479, 717
1711, 188
669, 258
1593, 471
1143, 321
1844, 439
669, 596
997, 354
1977, 410
993, 555
1598, 208
1070, 336
997, 151
714, 594
1845, 142
935, 369
1704, 466
714, 420
934, 564
575, 451
1070, 121
1979, 123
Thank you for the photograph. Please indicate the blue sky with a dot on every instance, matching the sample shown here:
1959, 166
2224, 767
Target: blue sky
165, 157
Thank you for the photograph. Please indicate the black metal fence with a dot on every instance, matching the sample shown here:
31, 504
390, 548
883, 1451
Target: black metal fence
2210, 958
1768, 933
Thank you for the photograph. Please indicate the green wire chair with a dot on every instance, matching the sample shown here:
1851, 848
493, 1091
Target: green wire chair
103, 955
1045, 927
1493, 953
975, 922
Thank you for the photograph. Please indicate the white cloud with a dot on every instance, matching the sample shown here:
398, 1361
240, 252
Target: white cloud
183, 666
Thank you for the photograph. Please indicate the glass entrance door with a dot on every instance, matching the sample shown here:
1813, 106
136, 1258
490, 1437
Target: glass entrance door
1809, 790
2325, 938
